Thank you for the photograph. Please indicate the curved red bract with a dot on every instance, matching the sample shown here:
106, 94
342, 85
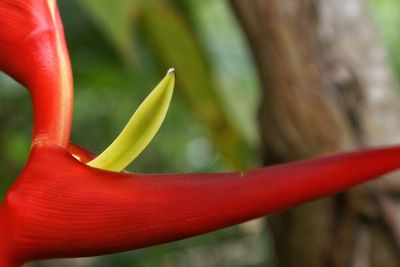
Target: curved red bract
33, 51
60, 207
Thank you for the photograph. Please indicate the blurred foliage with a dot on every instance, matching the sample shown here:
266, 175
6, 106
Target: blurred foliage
115, 19
387, 16
120, 49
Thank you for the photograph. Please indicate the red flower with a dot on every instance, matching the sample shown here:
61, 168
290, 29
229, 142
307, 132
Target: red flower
61, 207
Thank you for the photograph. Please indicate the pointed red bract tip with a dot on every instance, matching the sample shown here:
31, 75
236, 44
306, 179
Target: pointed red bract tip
59, 207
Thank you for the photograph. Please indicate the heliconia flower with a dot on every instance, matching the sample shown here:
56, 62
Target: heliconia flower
68, 203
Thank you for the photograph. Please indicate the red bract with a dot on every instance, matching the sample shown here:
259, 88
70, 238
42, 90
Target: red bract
60, 207
33, 51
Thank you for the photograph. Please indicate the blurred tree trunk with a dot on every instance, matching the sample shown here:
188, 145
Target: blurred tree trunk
327, 87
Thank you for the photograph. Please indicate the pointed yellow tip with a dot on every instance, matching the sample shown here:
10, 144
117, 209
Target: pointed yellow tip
171, 71
141, 128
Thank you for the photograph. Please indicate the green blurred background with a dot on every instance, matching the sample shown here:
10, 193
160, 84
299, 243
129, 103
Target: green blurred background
119, 50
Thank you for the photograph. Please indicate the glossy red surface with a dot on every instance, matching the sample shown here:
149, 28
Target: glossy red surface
60, 207
33, 51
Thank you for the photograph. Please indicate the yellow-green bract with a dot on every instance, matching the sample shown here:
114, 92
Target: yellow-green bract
140, 129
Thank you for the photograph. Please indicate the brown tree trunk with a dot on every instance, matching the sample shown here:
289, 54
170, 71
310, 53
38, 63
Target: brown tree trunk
327, 86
